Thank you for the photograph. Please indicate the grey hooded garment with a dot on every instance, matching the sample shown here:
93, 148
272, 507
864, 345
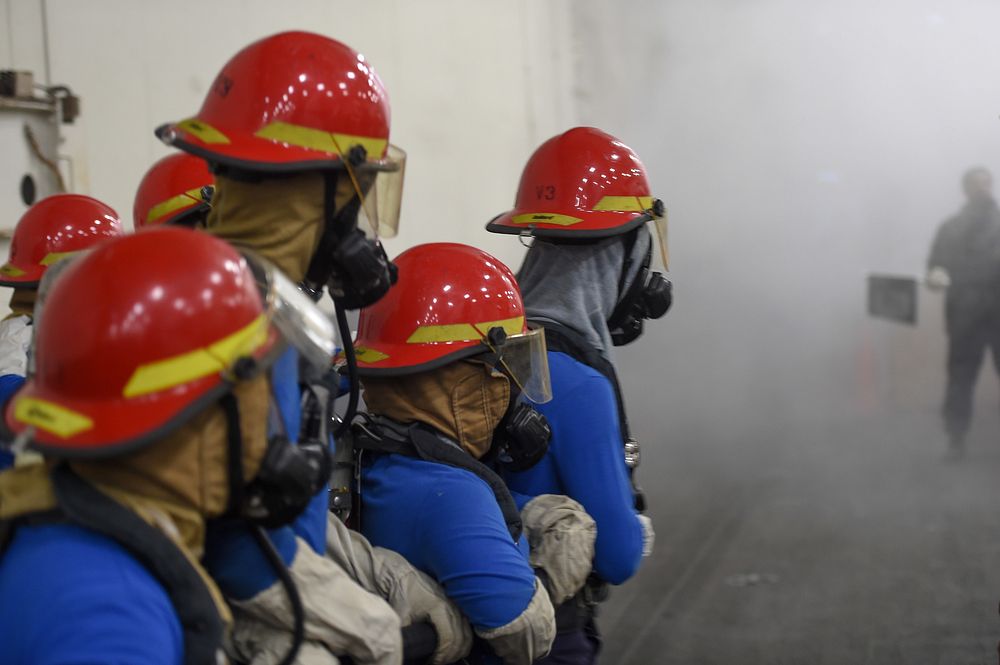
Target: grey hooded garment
576, 285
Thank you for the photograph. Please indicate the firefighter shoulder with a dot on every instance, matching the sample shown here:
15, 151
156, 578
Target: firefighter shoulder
146, 435
451, 373
588, 278
55, 228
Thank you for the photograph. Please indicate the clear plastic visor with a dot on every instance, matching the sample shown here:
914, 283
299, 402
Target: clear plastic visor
381, 194
658, 213
525, 360
300, 322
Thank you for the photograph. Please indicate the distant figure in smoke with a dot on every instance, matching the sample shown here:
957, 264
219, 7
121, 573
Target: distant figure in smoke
965, 262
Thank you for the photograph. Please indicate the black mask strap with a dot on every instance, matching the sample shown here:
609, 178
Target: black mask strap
234, 453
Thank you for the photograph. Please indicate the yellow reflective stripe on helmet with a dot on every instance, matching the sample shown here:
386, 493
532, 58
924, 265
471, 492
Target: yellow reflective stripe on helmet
53, 257
625, 203
203, 131
464, 332
369, 355
317, 139
164, 208
199, 363
545, 218
51, 417
10, 271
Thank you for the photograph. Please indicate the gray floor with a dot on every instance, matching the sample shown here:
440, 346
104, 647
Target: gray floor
838, 544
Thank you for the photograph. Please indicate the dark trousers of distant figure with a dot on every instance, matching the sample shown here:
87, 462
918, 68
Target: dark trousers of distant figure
973, 321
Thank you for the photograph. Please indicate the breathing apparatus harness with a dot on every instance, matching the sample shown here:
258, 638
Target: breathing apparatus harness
565, 340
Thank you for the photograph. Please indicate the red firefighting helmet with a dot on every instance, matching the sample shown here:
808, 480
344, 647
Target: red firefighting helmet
52, 229
295, 101
122, 362
175, 190
581, 185
452, 301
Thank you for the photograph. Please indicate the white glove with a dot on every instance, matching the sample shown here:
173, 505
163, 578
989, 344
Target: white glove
413, 595
341, 618
561, 536
648, 535
937, 279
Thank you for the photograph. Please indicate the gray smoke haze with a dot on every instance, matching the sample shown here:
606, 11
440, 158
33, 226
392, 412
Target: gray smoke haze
798, 146
787, 437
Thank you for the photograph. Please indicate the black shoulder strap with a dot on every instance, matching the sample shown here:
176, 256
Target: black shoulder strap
426, 445
566, 340
83, 504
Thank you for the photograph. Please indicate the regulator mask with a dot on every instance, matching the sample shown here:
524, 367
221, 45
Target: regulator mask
649, 296
352, 265
522, 436
290, 474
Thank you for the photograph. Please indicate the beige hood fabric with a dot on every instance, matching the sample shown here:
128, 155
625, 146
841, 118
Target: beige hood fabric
22, 302
280, 219
185, 475
464, 400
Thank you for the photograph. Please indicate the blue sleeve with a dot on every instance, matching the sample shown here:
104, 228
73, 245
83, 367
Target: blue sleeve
235, 561
70, 597
9, 384
310, 526
468, 550
588, 454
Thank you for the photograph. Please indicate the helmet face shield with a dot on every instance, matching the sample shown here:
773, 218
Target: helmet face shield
525, 360
300, 322
378, 216
658, 213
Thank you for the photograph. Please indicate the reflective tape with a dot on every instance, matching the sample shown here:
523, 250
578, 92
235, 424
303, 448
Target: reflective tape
545, 218
9, 270
464, 332
199, 363
202, 131
368, 355
625, 203
51, 417
53, 257
174, 203
317, 139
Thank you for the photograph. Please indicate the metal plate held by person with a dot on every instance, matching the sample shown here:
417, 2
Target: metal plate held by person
893, 298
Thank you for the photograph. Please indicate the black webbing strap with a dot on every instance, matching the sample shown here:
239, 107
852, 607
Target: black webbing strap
424, 444
86, 506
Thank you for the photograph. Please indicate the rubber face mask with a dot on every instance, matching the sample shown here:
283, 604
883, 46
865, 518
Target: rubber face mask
360, 206
647, 296
523, 437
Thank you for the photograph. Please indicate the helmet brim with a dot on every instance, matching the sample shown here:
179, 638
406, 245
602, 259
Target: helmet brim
405, 359
250, 153
588, 225
28, 277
